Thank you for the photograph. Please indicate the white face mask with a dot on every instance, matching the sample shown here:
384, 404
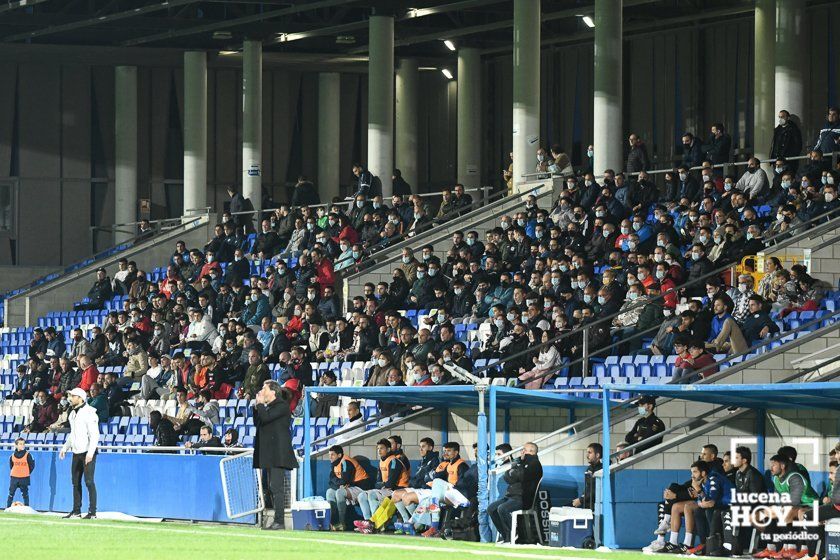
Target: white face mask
642, 411
381, 362
742, 288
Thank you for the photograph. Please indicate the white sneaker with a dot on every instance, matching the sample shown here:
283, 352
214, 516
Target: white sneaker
656, 546
662, 529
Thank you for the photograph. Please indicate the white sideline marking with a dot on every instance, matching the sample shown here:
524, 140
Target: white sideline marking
507, 552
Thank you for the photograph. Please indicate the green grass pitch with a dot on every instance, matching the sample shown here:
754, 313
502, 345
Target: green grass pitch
38, 537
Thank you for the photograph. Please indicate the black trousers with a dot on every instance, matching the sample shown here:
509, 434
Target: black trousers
277, 488
78, 468
14, 484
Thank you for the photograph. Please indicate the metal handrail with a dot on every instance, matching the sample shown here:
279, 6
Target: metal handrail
727, 372
808, 233
502, 197
403, 240
545, 174
630, 461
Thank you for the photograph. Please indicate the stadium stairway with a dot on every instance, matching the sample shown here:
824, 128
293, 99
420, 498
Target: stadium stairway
378, 267
59, 293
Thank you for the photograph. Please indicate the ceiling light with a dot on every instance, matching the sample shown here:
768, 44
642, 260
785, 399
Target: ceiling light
588, 21
449, 44
228, 53
447, 73
222, 35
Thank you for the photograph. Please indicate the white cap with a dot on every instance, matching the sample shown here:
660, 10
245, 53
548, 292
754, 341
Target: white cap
78, 392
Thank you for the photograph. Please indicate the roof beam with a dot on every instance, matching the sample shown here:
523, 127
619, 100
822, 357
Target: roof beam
636, 28
413, 13
304, 7
495, 26
105, 18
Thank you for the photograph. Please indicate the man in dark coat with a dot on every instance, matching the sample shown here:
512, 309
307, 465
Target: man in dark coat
273, 444
787, 141
305, 193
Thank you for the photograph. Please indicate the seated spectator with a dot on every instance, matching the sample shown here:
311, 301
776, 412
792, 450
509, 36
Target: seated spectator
136, 366
44, 413
163, 430
593, 458
725, 335
522, 479
547, 361
757, 323
99, 401
696, 358
99, 293
206, 439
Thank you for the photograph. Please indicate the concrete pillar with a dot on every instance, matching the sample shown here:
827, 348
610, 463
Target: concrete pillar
608, 136
329, 130
381, 101
125, 150
469, 117
790, 38
526, 86
407, 87
195, 132
764, 118
252, 123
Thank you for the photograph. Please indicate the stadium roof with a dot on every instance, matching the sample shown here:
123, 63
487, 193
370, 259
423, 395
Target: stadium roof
328, 26
781, 395
464, 396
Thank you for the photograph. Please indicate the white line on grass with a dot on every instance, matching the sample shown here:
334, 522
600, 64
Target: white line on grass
507, 552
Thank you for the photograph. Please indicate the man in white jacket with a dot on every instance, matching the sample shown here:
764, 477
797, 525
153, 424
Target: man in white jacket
81, 442
753, 182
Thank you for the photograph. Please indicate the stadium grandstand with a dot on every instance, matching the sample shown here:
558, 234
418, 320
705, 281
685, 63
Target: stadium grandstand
531, 274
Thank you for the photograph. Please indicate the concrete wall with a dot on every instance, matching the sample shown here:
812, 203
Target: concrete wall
59, 295
13, 277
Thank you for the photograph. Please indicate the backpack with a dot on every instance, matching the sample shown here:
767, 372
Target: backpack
461, 524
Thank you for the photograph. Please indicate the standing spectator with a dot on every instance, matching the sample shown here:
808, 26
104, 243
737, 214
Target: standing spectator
255, 376
637, 157
305, 193
82, 443
401, 187
692, 152
89, 373
828, 139
787, 141
719, 148
364, 181
273, 445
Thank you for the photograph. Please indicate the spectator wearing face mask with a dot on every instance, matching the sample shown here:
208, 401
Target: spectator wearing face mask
754, 181
787, 140
701, 266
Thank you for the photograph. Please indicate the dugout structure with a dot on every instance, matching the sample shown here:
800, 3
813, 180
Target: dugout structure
488, 400
759, 397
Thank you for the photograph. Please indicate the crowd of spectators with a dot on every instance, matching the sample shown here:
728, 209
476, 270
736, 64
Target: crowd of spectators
622, 249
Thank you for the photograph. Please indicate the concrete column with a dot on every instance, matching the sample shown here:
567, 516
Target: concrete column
381, 101
608, 137
329, 130
195, 132
407, 87
765, 46
125, 149
469, 117
252, 123
790, 38
526, 86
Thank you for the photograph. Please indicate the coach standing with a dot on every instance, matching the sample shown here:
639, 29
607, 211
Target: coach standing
273, 444
82, 441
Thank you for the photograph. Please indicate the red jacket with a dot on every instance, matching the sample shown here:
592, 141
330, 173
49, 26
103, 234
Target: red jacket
699, 362
325, 274
89, 377
205, 270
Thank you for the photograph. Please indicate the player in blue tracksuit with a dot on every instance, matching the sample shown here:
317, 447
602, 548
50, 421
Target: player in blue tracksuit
713, 501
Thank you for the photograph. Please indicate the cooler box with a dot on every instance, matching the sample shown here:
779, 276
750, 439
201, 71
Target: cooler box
312, 515
569, 526
832, 539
